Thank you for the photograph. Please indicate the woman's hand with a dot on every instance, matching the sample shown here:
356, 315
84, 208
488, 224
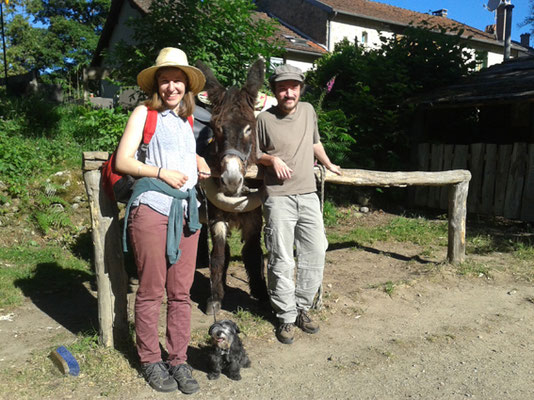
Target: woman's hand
204, 171
173, 178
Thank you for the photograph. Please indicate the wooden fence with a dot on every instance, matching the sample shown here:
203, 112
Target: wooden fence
502, 182
109, 262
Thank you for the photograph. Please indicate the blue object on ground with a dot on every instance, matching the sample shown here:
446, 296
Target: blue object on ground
65, 361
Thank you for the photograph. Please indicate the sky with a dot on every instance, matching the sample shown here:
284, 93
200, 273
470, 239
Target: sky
470, 12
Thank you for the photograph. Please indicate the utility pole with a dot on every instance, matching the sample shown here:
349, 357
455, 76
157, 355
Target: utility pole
4, 38
508, 7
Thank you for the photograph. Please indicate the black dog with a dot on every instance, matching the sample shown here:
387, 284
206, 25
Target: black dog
228, 354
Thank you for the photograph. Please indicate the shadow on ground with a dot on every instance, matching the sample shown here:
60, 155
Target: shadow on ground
61, 294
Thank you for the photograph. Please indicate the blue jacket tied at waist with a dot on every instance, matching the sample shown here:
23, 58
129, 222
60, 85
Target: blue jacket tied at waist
175, 225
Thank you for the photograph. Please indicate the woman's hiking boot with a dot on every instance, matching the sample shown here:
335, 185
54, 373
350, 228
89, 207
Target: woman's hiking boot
157, 376
183, 374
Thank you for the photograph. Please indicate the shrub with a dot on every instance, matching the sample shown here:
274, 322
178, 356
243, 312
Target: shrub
375, 91
95, 129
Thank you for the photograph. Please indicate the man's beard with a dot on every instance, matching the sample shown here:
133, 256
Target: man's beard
288, 108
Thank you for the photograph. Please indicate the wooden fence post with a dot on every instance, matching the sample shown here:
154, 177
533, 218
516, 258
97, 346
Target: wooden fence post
111, 276
457, 221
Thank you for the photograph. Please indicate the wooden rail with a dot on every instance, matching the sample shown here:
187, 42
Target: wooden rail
456, 180
109, 263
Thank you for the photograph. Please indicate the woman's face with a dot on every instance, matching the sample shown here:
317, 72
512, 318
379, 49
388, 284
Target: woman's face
172, 83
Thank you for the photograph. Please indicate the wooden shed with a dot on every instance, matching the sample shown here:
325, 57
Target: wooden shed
484, 123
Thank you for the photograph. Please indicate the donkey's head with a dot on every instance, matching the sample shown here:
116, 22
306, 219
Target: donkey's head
234, 125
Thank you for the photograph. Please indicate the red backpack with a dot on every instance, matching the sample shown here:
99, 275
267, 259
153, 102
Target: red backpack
118, 186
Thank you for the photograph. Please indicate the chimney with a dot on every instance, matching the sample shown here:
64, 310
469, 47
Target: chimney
490, 29
440, 13
525, 39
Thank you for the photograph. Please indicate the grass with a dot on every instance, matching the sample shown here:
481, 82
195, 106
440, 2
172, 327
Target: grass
419, 231
388, 287
103, 371
250, 324
27, 269
473, 268
524, 251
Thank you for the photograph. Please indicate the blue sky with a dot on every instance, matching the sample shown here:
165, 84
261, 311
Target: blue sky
469, 12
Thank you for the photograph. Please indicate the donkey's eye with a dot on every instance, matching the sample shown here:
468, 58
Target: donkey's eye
247, 130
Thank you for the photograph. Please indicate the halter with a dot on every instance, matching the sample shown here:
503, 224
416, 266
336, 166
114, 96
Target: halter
234, 152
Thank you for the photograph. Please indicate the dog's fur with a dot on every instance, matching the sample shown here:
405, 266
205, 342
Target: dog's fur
228, 354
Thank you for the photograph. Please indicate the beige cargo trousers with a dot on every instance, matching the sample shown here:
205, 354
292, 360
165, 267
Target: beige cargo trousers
294, 226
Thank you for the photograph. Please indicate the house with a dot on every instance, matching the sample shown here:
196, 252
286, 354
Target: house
311, 28
299, 50
329, 21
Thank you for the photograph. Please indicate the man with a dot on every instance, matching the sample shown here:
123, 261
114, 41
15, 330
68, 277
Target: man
287, 142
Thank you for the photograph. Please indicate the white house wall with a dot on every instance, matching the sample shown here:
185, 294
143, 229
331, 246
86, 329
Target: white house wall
495, 58
340, 31
304, 66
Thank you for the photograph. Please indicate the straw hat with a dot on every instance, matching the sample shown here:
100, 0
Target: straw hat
171, 57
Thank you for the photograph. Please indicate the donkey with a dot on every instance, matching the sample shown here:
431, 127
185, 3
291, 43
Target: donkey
233, 124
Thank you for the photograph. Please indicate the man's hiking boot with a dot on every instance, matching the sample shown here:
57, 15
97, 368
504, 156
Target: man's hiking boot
183, 374
157, 376
305, 323
285, 333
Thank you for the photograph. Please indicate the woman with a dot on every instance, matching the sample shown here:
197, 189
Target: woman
162, 263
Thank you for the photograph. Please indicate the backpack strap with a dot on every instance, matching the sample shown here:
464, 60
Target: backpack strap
150, 125
151, 122
149, 130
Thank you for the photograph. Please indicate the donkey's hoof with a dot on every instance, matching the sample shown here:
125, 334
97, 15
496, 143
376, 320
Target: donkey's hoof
213, 307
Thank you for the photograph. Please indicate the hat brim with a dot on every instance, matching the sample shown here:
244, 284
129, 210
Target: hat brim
195, 77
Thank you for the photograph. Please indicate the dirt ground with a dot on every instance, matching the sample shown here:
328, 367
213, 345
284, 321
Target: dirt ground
435, 335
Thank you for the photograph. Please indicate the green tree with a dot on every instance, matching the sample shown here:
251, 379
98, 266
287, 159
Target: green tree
52, 36
375, 88
225, 34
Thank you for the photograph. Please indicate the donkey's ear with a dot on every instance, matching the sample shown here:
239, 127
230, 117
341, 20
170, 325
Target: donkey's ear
255, 76
213, 87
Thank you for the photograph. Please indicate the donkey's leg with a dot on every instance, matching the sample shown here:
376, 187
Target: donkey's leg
218, 265
252, 253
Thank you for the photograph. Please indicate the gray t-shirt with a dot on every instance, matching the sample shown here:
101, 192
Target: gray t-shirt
291, 138
173, 146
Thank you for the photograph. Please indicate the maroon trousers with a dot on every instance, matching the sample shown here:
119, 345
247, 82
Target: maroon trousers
148, 235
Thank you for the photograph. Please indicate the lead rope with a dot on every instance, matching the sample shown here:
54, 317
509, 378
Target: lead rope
205, 202
322, 175
318, 299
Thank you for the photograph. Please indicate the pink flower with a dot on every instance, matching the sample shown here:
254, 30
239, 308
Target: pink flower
330, 84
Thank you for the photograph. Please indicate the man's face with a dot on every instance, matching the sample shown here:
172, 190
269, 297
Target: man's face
287, 94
